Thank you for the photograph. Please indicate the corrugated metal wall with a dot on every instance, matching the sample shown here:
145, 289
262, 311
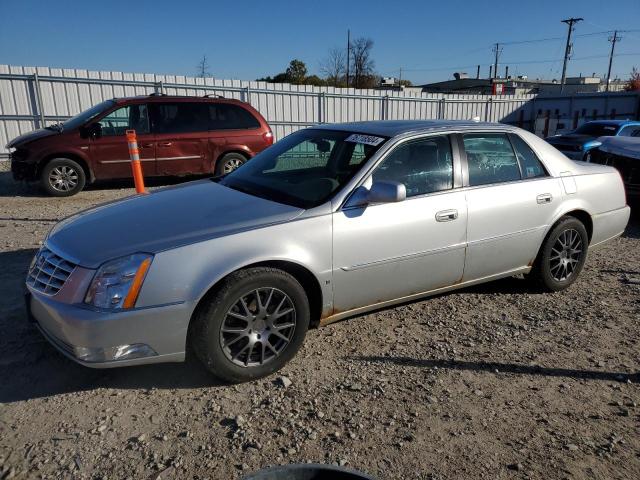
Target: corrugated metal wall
31, 97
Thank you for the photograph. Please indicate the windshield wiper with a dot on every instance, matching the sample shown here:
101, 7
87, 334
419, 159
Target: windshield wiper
58, 127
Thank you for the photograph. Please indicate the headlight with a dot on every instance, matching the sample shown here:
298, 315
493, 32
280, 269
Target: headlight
117, 283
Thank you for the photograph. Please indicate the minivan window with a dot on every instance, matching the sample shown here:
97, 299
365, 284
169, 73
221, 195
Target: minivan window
490, 158
86, 116
306, 168
180, 117
530, 165
131, 117
224, 116
423, 166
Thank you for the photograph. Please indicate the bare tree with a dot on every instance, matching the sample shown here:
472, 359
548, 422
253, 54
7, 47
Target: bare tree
334, 67
363, 64
202, 69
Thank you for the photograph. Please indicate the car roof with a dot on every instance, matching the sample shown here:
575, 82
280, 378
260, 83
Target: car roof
392, 128
155, 97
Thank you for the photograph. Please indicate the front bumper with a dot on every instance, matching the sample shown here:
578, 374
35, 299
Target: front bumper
74, 329
21, 169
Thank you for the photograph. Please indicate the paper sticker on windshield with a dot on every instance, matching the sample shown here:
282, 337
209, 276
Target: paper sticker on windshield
366, 139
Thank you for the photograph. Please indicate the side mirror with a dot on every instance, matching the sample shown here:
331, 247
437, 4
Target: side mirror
93, 130
380, 192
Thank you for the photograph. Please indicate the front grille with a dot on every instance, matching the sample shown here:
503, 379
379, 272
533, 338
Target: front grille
49, 272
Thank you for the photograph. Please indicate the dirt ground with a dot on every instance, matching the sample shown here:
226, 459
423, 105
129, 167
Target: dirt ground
491, 382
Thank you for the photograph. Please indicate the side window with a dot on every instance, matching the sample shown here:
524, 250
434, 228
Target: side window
180, 117
423, 166
530, 165
630, 131
490, 158
131, 117
224, 116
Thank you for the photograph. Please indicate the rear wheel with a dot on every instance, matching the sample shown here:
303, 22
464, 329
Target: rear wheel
562, 255
62, 177
229, 162
252, 325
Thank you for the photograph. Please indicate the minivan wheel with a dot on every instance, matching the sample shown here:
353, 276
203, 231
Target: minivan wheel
62, 177
229, 162
252, 325
562, 255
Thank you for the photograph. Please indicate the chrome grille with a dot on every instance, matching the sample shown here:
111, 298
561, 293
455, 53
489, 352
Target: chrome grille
49, 272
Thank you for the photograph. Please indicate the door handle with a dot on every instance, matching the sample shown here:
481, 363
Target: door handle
165, 144
146, 145
446, 215
544, 198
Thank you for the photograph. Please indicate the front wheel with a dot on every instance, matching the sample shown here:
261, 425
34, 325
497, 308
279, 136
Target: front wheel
252, 325
62, 177
562, 255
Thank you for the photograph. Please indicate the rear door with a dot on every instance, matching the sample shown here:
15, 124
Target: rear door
510, 201
110, 152
180, 131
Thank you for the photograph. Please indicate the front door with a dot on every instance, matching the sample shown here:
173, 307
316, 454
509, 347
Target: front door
110, 151
511, 202
181, 130
389, 251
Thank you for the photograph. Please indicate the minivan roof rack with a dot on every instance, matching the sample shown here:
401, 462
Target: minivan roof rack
157, 94
212, 95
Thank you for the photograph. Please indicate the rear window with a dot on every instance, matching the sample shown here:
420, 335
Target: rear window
597, 129
223, 116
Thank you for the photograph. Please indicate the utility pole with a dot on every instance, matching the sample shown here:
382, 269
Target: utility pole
567, 51
497, 50
400, 79
348, 54
613, 41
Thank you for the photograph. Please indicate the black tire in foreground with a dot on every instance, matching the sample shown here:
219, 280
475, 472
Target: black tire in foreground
251, 325
62, 177
561, 256
229, 162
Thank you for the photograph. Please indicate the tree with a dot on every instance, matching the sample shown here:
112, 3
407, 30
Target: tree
405, 83
334, 67
296, 72
202, 69
363, 64
633, 84
315, 80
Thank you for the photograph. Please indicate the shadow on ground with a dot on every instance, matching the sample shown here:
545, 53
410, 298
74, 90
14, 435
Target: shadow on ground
494, 367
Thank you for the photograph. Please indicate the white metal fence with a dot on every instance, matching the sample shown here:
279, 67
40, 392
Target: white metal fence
32, 97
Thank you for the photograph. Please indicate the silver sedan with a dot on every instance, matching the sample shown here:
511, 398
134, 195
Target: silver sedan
330, 222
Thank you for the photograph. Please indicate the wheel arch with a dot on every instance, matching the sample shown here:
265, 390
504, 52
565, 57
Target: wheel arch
302, 274
71, 156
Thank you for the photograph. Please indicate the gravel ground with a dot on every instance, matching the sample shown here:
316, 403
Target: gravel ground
490, 382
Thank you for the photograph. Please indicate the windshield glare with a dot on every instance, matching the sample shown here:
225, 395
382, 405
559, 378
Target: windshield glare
597, 130
306, 168
84, 117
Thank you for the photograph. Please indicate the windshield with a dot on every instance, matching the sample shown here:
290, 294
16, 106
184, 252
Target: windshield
597, 129
84, 117
306, 168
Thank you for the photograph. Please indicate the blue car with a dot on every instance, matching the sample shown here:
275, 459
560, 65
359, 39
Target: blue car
577, 144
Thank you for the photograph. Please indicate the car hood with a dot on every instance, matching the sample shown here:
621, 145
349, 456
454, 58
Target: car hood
31, 136
164, 219
622, 146
569, 139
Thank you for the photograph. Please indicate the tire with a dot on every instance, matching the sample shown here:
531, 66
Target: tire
558, 266
62, 177
259, 345
229, 162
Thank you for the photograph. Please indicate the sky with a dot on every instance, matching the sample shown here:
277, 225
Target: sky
249, 39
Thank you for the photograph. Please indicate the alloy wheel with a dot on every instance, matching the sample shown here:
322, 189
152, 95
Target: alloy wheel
63, 178
566, 254
231, 164
258, 327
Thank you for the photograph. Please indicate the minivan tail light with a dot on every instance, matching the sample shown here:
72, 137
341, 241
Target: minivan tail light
268, 137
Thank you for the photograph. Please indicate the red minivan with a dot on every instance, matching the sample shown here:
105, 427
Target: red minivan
176, 136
